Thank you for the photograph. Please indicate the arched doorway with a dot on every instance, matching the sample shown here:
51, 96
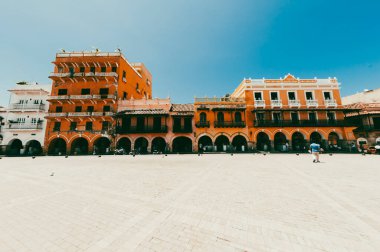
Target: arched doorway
280, 142
79, 146
158, 145
14, 147
222, 143
57, 147
125, 144
205, 143
141, 145
182, 145
239, 143
298, 141
315, 137
102, 145
33, 148
333, 142
263, 142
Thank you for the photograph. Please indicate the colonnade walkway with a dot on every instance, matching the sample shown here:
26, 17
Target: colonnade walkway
190, 203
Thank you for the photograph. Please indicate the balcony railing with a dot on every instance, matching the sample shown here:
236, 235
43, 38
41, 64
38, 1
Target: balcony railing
202, 124
301, 123
109, 113
330, 103
276, 103
25, 126
259, 103
89, 74
312, 103
144, 129
104, 96
59, 97
79, 114
229, 124
18, 106
294, 103
82, 97
177, 129
61, 114
219, 99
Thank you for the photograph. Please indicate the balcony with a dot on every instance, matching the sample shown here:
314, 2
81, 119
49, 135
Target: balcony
61, 114
229, 124
177, 129
276, 103
108, 113
218, 99
294, 103
311, 103
202, 124
56, 76
22, 126
80, 97
330, 103
143, 129
259, 103
18, 106
301, 123
58, 97
77, 114
104, 96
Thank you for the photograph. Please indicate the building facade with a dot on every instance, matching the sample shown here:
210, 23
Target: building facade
84, 98
275, 115
23, 126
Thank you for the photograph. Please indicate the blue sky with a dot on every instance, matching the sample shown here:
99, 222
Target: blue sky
198, 48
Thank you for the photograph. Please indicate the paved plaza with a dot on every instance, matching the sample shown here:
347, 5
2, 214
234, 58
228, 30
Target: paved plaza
247, 202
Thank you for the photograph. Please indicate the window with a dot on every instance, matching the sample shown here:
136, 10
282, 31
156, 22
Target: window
71, 70
125, 95
292, 96
103, 69
376, 122
140, 123
137, 86
276, 116
106, 109
103, 91
309, 96
88, 125
34, 120
62, 91
82, 69
85, 91
237, 117
105, 125
260, 116
312, 117
331, 116
177, 123
258, 96
327, 95
58, 109
220, 117
274, 96
73, 126
60, 69
188, 123
203, 117
92, 69
157, 123
124, 76
57, 126
90, 109
78, 108
114, 69
294, 116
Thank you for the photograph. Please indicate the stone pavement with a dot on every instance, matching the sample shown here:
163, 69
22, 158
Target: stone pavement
190, 203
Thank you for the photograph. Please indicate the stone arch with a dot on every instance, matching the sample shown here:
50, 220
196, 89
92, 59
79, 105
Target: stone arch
124, 143
14, 147
316, 137
159, 145
240, 143
33, 148
285, 132
298, 141
57, 146
263, 141
73, 138
222, 143
280, 141
102, 145
182, 144
267, 132
141, 145
79, 146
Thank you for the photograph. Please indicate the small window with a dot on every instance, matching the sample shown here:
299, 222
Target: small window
88, 125
73, 126
312, 116
260, 116
92, 69
220, 117
57, 126
258, 96
124, 76
114, 69
203, 117
58, 109
137, 86
34, 120
274, 96
85, 91
90, 109
309, 96
71, 70
105, 125
125, 95
294, 116
327, 95
276, 116
292, 96
82, 69
331, 116
237, 117
62, 91
106, 109
103, 69
78, 108
60, 69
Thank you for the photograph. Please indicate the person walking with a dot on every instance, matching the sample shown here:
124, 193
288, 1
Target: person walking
315, 149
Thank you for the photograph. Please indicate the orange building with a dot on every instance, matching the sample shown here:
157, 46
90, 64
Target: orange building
275, 114
84, 97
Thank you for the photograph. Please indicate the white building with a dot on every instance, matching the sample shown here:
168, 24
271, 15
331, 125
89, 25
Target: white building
24, 123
